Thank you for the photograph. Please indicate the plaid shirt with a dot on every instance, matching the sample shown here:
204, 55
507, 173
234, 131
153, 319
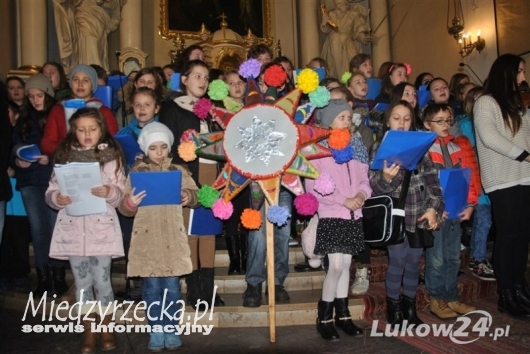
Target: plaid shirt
424, 191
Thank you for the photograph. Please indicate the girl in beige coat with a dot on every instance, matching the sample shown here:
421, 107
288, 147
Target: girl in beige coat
159, 246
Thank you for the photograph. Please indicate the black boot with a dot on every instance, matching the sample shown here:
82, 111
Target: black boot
394, 316
509, 304
232, 245
343, 318
325, 321
408, 309
59, 282
207, 282
522, 296
243, 240
44, 281
252, 296
195, 293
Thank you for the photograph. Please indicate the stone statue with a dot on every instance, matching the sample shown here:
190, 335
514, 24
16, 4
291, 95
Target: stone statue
82, 29
347, 28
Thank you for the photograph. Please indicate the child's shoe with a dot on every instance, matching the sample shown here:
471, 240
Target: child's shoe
441, 309
483, 270
460, 307
156, 342
172, 341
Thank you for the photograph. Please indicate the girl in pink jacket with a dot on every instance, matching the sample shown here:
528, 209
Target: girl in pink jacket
90, 242
339, 231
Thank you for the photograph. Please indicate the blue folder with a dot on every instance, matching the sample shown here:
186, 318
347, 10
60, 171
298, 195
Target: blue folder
104, 93
455, 189
374, 88
114, 81
175, 82
423, 98
130, 147
403, 147
381, 107
28, 152
202, 222
162, 188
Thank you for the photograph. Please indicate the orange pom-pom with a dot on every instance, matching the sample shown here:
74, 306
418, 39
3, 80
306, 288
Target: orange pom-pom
251, 219
186, 151
339, 139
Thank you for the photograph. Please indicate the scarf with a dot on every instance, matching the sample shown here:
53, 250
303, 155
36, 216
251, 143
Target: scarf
104, 153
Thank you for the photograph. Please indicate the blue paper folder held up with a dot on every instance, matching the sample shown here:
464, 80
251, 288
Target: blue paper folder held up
202, 222
381, 107
374, 88
104, 93
114, 81
175, 82
28, 153
162, 188
130, 147
403, 147
455, 189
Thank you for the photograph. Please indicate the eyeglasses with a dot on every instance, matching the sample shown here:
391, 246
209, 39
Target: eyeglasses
442, 122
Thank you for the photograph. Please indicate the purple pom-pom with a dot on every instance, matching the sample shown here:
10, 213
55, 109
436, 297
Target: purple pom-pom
222, 210
324, 185
202, 107
343, 155
278, 215
306, 204
250, 68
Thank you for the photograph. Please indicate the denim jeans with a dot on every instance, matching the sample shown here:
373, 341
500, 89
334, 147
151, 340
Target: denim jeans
41, 222
479, 231
257, 248
443, 261
153, 289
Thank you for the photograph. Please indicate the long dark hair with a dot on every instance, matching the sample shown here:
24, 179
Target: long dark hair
386, 86
63, 81
396, 94
185, 57
29, 112
502, 86
159, 90
187, 69
62, 155
388, 113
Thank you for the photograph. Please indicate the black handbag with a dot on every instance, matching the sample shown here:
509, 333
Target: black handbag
384, 217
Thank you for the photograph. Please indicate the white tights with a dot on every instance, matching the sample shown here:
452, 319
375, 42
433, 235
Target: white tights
337, 278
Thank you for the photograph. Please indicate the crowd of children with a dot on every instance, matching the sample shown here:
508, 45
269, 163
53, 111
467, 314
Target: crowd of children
490, 121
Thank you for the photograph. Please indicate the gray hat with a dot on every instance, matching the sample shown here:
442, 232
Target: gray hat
327, 114
86, 69
153, 132
41, 82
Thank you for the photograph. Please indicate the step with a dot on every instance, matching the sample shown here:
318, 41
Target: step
300, 310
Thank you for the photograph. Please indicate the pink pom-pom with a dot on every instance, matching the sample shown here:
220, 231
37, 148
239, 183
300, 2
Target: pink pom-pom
324, 185
306, 204
202, 107
222, 210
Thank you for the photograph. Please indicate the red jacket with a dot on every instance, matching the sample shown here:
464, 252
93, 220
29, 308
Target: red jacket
462, 156
55, 129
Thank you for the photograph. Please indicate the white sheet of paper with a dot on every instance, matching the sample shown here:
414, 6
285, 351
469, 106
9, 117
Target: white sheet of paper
76, 180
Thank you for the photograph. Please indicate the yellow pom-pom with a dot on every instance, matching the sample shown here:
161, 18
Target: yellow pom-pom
307, 80
186, 151
251, 219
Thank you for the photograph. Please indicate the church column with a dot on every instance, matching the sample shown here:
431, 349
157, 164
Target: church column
381, 43
33, 32
309, 27
131, 24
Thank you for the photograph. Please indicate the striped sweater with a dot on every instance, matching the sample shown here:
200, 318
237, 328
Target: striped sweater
498, 149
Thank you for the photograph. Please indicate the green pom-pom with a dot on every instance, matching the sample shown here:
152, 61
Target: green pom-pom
320, 97
345, 77
207, 195
217, 90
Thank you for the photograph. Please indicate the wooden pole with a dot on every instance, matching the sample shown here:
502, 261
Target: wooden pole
270, 275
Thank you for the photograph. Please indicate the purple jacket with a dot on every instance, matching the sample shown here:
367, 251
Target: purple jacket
350, 178
90, 235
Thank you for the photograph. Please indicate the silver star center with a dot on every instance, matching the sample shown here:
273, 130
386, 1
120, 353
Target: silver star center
260, 141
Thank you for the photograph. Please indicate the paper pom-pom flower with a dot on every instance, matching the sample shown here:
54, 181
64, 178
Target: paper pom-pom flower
250, 68
408, 68
207, 195
222, 210
251, 219
202, 107
217, 90
278, 215
320, 97
342, 156
186, 151
306, 204
345, 77
324, 184
231, 104
191, 135
275, 75
339, 138
307, 80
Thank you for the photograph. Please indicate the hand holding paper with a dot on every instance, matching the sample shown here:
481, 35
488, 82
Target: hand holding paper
63, 200
389, 172
101, 191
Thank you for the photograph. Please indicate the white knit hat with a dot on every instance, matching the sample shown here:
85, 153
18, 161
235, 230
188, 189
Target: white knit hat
153, 132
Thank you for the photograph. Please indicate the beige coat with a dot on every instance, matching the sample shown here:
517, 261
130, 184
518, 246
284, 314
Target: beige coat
159, 244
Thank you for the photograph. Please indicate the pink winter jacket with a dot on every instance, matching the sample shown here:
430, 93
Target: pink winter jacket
90, 235
350, 178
